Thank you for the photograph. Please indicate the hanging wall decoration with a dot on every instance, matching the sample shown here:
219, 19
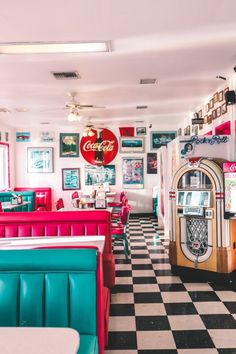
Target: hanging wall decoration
95, 175
69, 145
132, 171
152, 163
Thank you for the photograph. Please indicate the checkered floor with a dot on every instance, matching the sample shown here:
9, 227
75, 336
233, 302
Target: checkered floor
153, 311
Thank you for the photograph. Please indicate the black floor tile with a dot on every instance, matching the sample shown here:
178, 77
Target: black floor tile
164, 272
122, 288
122, 340
152, 323
138, 247
143, 298
231, 306
180, 308
172, 287
140, 256
123, 273
158, 351
220, 286
160, 260
142, 266
156, 251
203, 296
219, 321
192, 339
227, 351
144, 280
122, 310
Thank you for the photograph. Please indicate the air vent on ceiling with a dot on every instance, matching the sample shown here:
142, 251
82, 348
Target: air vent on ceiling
45, 123
148, 81
139, 121
66, 75
141, 107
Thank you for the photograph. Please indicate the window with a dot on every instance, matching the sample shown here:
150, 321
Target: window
4, 166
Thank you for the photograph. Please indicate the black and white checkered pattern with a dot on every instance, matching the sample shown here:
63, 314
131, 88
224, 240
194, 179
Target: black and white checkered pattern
153, 311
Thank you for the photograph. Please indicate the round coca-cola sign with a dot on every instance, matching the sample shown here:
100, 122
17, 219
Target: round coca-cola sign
99, 149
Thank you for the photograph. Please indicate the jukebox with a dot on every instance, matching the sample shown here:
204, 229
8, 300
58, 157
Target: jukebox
200, 237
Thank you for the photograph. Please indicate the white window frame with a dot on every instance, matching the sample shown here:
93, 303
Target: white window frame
4, 166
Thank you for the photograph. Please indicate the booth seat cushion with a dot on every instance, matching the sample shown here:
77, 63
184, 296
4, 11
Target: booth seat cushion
27, 196
88, 344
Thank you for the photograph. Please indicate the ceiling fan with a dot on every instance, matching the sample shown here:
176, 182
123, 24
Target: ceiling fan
90, 127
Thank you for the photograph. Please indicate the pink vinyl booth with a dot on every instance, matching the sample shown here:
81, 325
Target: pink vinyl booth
64, 223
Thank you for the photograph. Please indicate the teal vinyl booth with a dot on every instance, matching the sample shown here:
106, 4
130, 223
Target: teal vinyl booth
52, 288
27, 196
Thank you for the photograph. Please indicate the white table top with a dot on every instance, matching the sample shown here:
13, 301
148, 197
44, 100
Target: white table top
14, 243
28, 340
8, 205
84, 209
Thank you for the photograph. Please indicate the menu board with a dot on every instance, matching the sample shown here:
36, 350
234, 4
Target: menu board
229, 189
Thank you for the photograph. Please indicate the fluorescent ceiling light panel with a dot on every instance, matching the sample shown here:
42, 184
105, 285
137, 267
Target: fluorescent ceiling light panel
50, 47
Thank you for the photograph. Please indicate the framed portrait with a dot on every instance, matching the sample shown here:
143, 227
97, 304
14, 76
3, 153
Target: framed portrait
159, 139
220, 96
211, 103
132, 173
40, 160
141, 131
23, 137
224, 108
47, 136
218, 112
205, 119
195, 129
179, 132
209, 119
152, 163
207, 107
69, 145
200, 126
95, 175
132, 144
187, 130
70, 178
200, 113
215, 97
213, 113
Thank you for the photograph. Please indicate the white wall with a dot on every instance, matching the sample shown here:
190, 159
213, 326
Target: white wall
140, 200
4, 128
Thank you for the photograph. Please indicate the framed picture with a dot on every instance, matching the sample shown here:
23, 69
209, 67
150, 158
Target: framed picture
100, 203
152, 163
220, 96
200, 126
70, 178
200, 113
209, 119
215, 97
187, 130
47, 136
207, 107
205, 119
179, 132
95, 175
132, 172
141, 131
40, 160
194, 129
223, 108
23, 137
69, 145
211, 103
132, 144
213, 114
159, 139
6, 136
218, 112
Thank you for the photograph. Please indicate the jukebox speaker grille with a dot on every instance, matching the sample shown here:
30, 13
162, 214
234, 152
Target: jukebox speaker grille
197, 236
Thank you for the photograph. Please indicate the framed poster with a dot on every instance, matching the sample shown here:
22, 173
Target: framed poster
70, 178
23, 137
132, 144
132, 172
46, 136
69, 145
95, 175
152, 163
40, 160
141, 131
159, 139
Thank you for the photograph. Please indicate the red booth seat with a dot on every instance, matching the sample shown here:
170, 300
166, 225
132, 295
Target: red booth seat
43, 197
64, 223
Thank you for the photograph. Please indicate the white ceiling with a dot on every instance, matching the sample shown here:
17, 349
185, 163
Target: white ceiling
185, 44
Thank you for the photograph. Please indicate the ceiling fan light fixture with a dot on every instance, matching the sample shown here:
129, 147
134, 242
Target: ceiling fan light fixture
90, 133
74, 117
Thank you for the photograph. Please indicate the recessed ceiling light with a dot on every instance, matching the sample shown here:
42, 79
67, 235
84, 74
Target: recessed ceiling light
53, 47
148, 81
141, 107
44, 123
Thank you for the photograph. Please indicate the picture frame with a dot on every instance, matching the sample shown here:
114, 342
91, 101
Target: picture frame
207, 107
215, 97
179, 132
187, 130
151, 163
95, 175
213, 113
220, 96
200, 113
218, 112
46, 136
69, 145
200, 126
24, 137
70, 179
224, 108
205, 119
132, 173
132, 144
141, 131
40, 160
211, 103
100, 203
209, 119
161, 138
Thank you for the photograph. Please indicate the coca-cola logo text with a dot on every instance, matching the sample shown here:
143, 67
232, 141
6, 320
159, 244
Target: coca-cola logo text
105, 145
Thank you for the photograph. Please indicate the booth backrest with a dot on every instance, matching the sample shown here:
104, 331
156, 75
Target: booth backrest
27, 196
50, 288
43, 196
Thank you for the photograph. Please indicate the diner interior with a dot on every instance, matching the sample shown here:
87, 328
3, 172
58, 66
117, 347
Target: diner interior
118, 177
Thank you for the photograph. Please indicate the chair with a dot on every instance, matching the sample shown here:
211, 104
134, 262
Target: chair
75, 200
119, 230
117, 213
117, 204
60, 204
40, 202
